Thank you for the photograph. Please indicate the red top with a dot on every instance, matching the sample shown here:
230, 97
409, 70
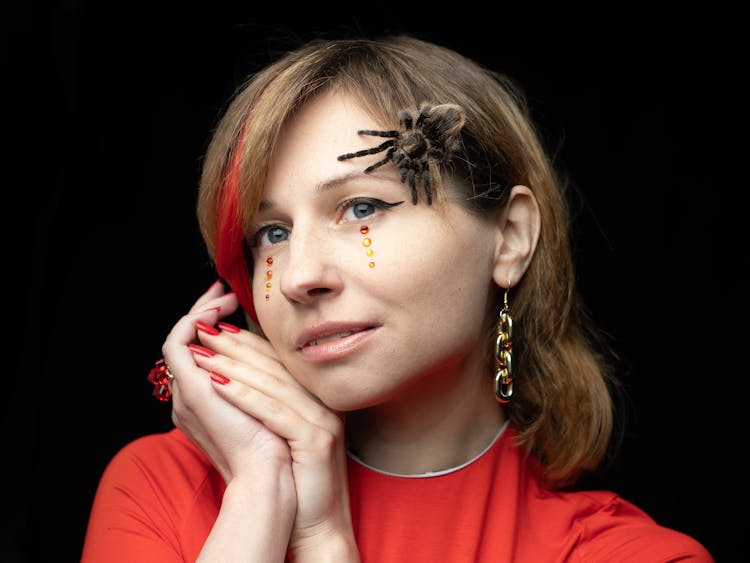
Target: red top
159, 497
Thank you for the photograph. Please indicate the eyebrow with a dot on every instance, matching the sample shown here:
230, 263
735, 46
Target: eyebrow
324, 186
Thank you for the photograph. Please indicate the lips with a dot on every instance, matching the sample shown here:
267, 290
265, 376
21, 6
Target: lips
334, 340
324, 339
328, 332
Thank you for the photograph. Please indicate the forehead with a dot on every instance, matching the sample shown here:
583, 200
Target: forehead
316, 134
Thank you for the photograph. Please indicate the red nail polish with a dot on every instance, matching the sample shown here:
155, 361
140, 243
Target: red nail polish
228, 327
202, 350
207, 328
218, 378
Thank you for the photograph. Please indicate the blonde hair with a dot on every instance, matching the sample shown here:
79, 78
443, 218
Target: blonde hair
563, 402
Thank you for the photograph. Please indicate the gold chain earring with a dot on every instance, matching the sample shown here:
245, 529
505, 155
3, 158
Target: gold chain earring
504, 353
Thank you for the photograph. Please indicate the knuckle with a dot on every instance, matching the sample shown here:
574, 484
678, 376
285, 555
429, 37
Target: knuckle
274, 407
322, 439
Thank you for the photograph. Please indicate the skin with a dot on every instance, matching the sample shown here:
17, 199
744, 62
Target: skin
410, 377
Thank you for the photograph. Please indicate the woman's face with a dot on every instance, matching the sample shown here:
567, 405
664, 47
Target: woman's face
361, 292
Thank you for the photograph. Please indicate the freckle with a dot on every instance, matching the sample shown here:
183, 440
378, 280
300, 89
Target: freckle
364, 229
366, 242
370, 252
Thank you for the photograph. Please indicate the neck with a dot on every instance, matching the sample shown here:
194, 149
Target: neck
441, 421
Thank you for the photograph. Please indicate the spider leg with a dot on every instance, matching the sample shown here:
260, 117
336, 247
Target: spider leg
388, 157
378, 133
406, 120
412, 176
426, 184
404, 171
381, 147
423, 114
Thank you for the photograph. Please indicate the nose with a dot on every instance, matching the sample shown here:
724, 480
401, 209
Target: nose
310, 273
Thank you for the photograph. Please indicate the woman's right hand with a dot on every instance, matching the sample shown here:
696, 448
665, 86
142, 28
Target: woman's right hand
258, 507
278, 448
232, 440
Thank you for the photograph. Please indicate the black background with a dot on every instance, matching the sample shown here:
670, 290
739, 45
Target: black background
107, 114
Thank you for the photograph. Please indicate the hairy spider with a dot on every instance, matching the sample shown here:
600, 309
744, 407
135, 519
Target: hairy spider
432, 138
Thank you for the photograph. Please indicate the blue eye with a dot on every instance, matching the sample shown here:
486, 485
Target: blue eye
270, 235
362, 207
362, 210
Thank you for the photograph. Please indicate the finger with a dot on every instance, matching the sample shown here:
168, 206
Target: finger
245, 348
215, 297
216, 289
287, 411
232, 341
264, 389
193, 398
188, 376
175, 347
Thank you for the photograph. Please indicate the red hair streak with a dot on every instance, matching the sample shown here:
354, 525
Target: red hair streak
231, 263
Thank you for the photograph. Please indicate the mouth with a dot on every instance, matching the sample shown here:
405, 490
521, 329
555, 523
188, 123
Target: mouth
330, 338
334, 340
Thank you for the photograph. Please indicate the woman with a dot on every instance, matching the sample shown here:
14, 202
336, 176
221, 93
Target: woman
419, 380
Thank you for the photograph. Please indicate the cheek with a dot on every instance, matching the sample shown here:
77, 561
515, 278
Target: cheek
444, 267
405, 263
424, 249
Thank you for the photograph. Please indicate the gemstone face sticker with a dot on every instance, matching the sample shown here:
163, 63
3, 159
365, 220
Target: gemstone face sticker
367, 242
269, 275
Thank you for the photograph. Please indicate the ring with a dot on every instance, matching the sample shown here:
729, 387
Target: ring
160, 377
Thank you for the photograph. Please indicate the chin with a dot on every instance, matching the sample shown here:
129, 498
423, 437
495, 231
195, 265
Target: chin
348, 399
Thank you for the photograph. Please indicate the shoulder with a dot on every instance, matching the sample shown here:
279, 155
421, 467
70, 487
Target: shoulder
158, 448
157, 495
614, 529
601, 525
155, 459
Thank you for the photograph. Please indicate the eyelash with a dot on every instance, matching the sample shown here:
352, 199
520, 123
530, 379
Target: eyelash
344, 206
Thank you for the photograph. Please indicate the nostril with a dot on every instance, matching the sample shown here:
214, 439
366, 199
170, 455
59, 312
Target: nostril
318, 291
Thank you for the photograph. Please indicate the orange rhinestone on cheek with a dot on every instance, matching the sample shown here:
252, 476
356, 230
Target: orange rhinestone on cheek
366, 242
269, 275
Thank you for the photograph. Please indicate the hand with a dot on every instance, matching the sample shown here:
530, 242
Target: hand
266, 418
233, 441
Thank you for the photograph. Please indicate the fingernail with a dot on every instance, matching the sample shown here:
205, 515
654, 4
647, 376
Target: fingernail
228, 327
201, 350
212, 309
218, 378
207, 328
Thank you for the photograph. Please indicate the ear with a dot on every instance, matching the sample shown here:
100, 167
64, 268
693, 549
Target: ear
518, 229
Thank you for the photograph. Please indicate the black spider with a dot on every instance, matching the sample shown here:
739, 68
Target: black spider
433, 138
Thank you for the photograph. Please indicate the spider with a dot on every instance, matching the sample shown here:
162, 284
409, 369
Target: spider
432, 138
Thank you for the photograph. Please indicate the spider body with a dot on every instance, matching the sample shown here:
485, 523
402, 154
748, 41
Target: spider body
433, 138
